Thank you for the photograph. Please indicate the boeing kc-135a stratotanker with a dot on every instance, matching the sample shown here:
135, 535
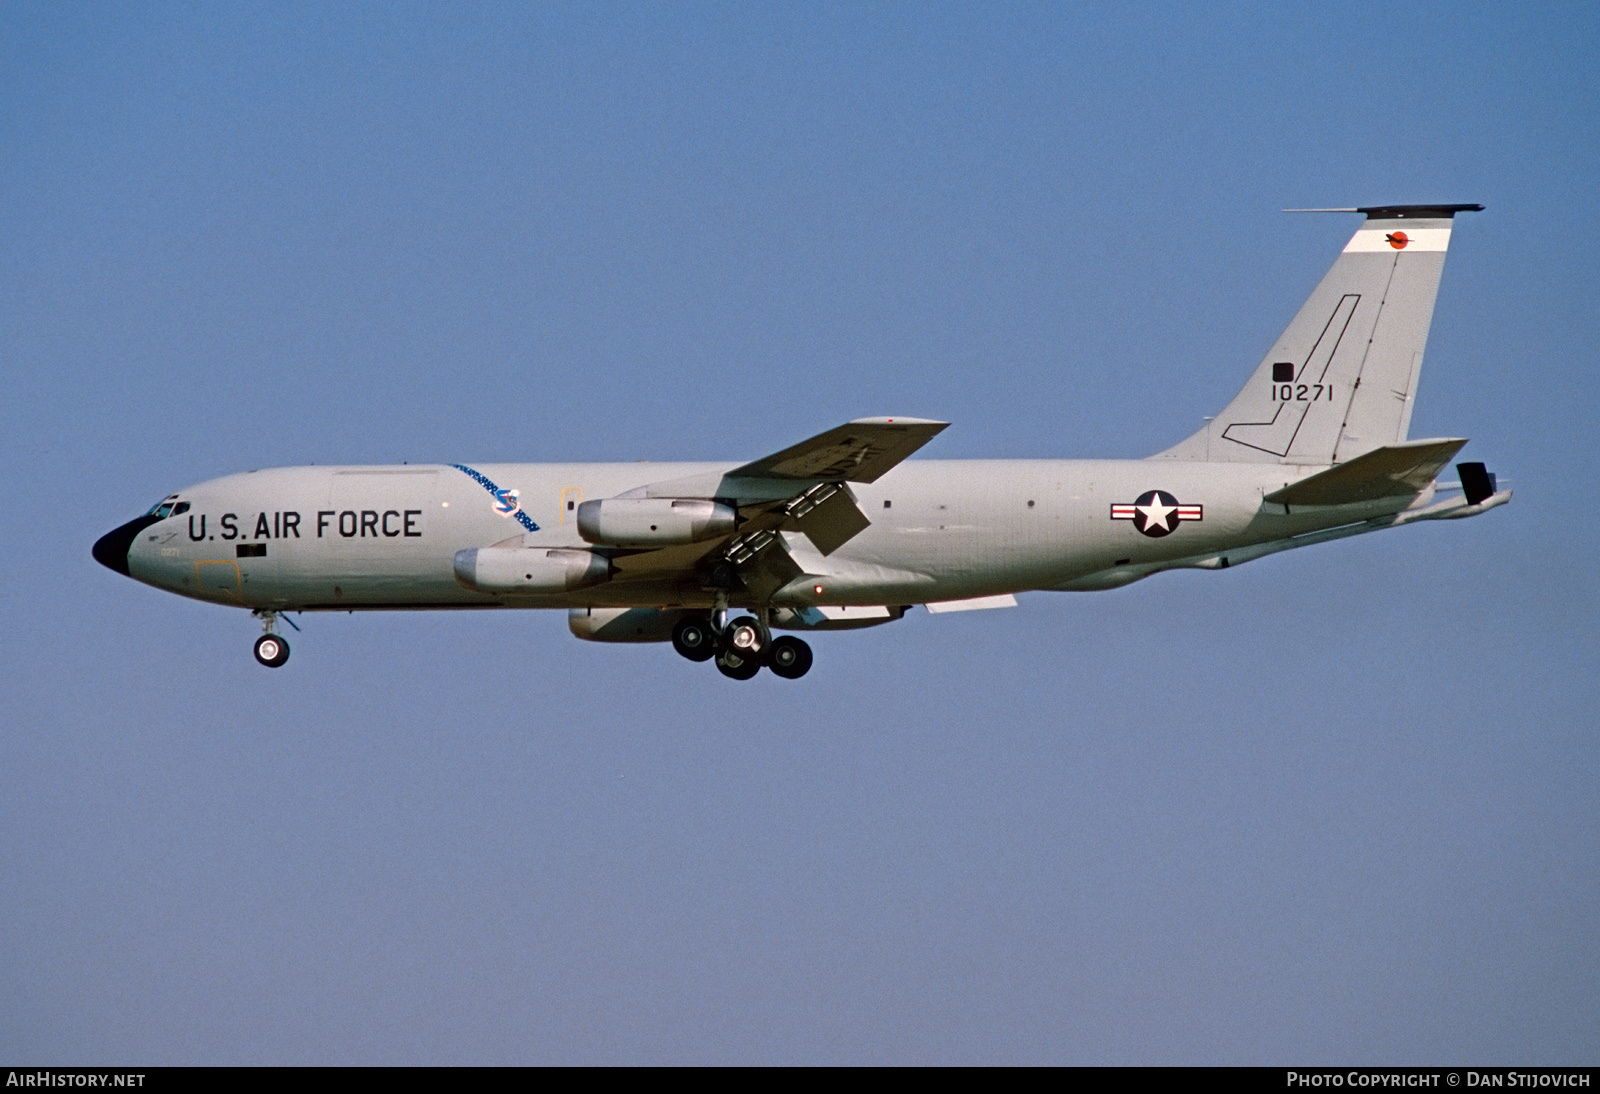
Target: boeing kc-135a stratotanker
837, 532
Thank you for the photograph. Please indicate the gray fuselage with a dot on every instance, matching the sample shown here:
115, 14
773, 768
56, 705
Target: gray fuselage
346, 538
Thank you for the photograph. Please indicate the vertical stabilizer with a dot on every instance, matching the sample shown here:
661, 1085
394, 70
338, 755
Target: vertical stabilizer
1342, 379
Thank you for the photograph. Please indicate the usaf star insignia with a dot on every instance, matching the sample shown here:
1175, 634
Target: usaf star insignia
1156, 513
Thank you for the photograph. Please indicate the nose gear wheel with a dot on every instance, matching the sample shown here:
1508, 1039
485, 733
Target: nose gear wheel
272, 651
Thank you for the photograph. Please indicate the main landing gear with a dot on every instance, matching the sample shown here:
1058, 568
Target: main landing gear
694, 639
271, 649
741, 647
789, 657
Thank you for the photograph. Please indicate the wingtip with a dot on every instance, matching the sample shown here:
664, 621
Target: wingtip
897, 420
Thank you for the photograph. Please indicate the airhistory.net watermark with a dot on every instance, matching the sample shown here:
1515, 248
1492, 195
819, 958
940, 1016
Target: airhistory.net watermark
48, 1078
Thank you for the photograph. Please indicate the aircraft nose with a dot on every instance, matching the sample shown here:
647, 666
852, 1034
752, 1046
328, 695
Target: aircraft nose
111, 549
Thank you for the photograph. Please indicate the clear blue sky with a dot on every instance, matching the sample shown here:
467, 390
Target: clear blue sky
1338, 805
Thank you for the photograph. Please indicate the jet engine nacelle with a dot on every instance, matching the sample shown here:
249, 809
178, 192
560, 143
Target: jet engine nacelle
653, 522
623, 624
529, 569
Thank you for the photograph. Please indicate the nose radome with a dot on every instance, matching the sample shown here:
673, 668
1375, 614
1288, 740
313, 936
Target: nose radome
111, 549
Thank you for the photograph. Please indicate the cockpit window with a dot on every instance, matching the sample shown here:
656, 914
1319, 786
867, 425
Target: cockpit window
167, 507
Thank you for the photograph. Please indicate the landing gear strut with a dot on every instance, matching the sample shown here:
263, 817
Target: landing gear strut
271, 650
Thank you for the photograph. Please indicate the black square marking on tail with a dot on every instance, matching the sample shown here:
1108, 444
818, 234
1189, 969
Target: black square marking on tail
1283, 372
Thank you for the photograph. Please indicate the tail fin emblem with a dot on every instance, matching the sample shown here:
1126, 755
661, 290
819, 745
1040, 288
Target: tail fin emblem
1397, 240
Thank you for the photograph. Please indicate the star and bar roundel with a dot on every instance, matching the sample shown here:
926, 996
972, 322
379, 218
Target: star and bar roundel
1156, 513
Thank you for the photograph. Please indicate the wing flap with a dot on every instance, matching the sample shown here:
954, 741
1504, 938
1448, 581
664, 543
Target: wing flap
763, 562
1393, 471
828, 516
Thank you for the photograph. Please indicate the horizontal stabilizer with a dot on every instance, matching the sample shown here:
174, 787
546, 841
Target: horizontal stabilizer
1393, 471
860, 451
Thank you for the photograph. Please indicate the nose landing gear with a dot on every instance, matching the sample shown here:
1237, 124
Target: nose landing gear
271, 649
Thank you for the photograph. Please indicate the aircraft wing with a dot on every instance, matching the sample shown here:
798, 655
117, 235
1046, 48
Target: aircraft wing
826, 513
800, 489
1396, 470
859, 451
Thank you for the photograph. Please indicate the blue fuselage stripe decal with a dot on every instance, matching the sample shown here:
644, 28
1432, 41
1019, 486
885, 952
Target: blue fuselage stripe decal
501, 497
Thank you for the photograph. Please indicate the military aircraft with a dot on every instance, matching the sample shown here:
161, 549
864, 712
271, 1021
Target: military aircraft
837, 532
